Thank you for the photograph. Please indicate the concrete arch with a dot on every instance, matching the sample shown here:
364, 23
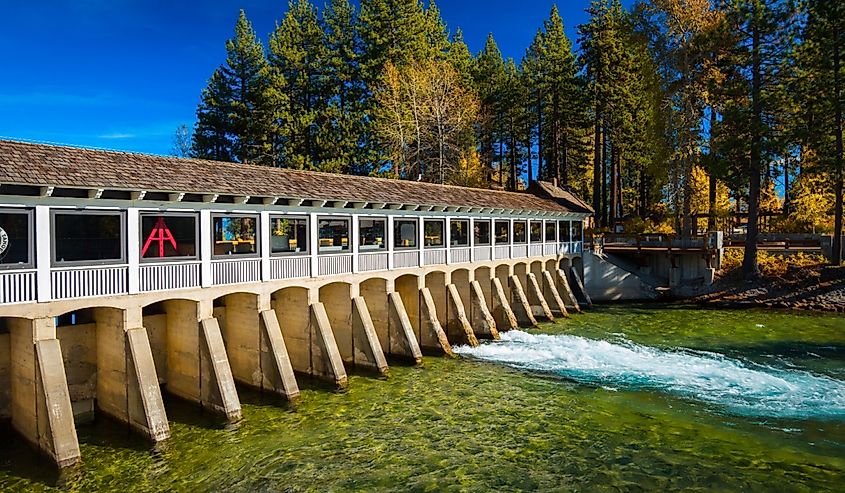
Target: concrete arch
565, 263
6, 365
79, 337
408, 288
484, 276
536, 268
375, 291
238, 315
435, 281
337, 299
292, 307
461, 279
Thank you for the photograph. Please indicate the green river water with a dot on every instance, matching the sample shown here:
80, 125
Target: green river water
633, 413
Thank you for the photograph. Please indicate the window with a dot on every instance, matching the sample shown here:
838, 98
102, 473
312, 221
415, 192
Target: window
551, 231
503, 232
519, 233
288, 235
235, 235
88, 237
16, 236
459, 232
168, 236
334, 235
576, 230
536, 231
372, 232
434, 230
563, 231
405, 233
481, 233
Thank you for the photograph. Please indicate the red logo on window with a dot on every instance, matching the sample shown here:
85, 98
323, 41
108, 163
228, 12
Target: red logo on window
161, 234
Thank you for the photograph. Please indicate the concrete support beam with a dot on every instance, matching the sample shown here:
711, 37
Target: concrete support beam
458, 322
525, 315
539, 306
326, 361
566, 292
578, 287
551, 293
430, 328
276, 369
504, 315
403, 341
367, 350
217, 386
127, 384
40, 400
480, 314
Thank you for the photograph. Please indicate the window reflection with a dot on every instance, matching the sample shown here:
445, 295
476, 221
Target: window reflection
502, 232
536, 231
433, 233
459, 232
481, 233
334, 235
234, 235
405, 233
288, 235
519, 233
372, 233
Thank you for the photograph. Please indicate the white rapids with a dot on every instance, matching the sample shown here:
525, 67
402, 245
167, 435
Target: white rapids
743, 388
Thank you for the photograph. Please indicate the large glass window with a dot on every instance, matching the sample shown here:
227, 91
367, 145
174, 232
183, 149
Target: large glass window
536, 231
551, 231
168, 236
503, 232
372, 233
90, 237
288, 234
563, 231
577, 226
405, 233
434, 233
519, 233
15, 239
481, 235
334, 235
459, 232
235, 235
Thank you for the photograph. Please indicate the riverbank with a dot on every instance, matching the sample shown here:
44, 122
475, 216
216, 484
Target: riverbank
816, 288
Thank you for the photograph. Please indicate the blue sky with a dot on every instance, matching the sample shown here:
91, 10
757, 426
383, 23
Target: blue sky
123, 74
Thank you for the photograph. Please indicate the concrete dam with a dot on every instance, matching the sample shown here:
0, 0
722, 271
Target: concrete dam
123, 276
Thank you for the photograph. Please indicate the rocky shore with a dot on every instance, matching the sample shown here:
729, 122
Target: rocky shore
819, 288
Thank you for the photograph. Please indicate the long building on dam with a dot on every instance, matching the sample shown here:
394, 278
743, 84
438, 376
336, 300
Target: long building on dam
123, 276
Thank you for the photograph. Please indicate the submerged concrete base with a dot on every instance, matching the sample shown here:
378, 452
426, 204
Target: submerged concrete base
403, 341
367, 351
458, 321
40, 400
566, 292
326, 360
525, 316
484, 323
504, 315
430, 328
553, 295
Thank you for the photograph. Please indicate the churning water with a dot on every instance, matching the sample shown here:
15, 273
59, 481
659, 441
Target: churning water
743, 388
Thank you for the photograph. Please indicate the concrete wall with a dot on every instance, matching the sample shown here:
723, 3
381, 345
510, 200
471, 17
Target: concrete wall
240, 327
409, 290
156, 325
5, 372
79, 354
605, 281
292, 310
337, 299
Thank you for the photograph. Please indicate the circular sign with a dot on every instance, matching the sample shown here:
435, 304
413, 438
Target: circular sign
4, 242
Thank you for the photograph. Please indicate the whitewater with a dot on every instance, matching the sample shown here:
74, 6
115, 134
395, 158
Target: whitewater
740, 387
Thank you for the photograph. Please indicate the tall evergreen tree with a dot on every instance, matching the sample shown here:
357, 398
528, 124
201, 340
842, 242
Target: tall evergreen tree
490, 78
212, 138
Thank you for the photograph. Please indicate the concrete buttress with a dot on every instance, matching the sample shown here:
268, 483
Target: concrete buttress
505, 318
480, 314
277, 370
217, 386
566, 291
367, 351
458, 321
403, 341
539, 306
430, 325
326, 360
552, 294
521, 301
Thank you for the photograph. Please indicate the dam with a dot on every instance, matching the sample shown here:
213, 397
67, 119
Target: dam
123, 276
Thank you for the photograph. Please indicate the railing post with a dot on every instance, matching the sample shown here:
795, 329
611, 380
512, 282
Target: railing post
43, 252
353, 242
314, 240
264, 245
421, 240
471, 242
206, 236
510, 238
389, 242
133, 254
447, 239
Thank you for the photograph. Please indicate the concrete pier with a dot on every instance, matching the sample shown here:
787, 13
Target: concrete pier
459, 327
482, 320
502, 312
566, 291
539, 306
524, 313
553, 295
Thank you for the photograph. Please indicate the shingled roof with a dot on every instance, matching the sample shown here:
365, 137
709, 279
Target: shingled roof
24, 163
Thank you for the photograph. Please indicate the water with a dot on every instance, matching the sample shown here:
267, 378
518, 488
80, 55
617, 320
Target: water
632, 398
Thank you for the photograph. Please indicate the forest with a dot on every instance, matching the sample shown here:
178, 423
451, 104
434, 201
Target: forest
673, 116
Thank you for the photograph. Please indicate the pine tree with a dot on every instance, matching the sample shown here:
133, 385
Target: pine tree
211, 139
489, 75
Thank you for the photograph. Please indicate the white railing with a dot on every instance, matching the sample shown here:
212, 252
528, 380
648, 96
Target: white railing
166, 276
290, 267
235, 271
461, 255
520, 251
368, 262
577, 247
501, 251
482, 253
332, 265
82, 282
550, 249
535, 250
434, 257
17, 286
402, 260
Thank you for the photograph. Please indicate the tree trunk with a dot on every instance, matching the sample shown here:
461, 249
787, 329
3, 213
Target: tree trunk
540, 174
711, 213
837, 98
597, 170
513, 162
502, 163
614, 188
749, 262
564, 169
604, 144
786, 197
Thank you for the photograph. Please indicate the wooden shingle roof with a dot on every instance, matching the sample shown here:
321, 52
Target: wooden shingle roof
24, 163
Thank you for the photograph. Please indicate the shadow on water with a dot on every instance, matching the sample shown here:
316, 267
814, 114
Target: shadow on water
20, 460
191, 414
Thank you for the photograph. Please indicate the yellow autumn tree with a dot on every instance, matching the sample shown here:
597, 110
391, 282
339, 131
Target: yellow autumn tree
700, 198
812, 203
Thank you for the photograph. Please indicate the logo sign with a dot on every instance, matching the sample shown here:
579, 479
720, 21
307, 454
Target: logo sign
160, 234
4, 242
